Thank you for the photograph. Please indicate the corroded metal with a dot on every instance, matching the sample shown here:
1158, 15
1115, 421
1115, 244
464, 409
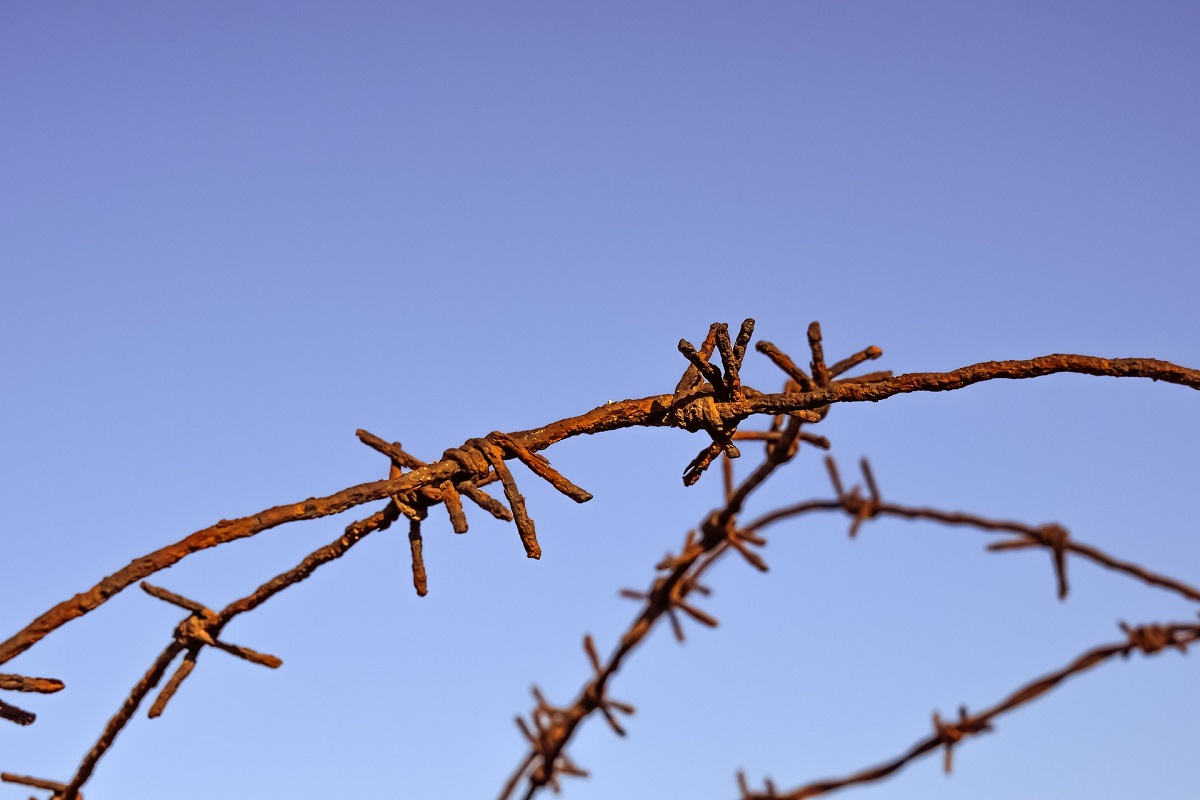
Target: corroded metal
710, 399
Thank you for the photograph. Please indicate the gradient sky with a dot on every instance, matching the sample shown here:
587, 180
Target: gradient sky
233, 233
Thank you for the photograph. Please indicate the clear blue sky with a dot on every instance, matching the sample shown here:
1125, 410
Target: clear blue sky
232, 233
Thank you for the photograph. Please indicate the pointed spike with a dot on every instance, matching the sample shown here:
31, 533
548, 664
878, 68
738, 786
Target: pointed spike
173, 684
696, 614
869, 477
676, 627
485, 501
17, 715
831, 466
516, 501
743, 339
416, 547
819, 370
454, 507
589, 647
866, 354
539, 465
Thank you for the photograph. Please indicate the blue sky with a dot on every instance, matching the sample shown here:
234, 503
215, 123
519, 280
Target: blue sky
231, 234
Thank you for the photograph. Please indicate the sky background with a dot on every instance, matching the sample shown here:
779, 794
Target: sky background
233, 233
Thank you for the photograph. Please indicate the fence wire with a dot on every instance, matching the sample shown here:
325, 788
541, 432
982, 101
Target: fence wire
711, 399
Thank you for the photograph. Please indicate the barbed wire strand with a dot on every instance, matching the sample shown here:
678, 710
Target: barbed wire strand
354, 533
1148, 639
1050, 536
654, 411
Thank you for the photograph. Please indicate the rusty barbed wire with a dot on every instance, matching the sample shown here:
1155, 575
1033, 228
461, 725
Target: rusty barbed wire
707, 398
204, 624
553, 727
655, 411
1148, 639
354, 533
667, 596
1051, 536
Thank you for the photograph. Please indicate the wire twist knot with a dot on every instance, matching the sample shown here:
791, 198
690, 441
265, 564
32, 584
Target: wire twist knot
699, 413
694, 412
471, 458
197, 628
201, 627
1153, 638
1053, 537
858, 506
951, 733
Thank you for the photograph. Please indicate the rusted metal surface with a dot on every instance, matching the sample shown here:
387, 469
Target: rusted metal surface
656, 411
710, 399
20, 683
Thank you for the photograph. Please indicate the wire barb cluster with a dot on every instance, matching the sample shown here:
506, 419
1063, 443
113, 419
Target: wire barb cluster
201, 628
951, 733
483, 461
1054, 538
1153, 638
599, 697
545, 734
853, 502
703, 385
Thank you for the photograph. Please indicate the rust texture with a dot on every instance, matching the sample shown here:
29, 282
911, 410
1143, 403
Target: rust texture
20, 683
710, 399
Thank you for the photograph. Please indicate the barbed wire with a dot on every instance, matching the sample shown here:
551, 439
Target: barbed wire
1148, 638
708, 398
667, 595
687, 410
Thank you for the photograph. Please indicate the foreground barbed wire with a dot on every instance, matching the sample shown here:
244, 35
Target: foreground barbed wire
708, 399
